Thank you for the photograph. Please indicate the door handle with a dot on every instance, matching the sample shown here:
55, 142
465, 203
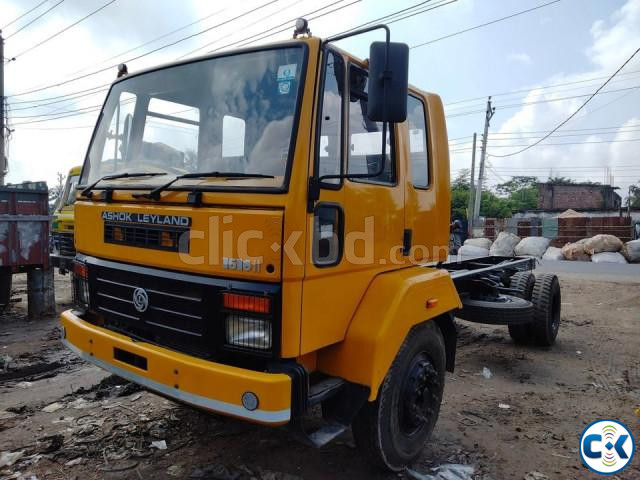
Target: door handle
406, 242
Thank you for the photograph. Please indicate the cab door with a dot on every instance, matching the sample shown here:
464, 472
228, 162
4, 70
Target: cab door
356, 227
422, 216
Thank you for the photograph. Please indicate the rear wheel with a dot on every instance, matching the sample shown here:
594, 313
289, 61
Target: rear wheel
392, 430
547, 301
524, 282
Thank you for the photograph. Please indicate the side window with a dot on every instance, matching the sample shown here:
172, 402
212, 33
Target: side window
170, 137
365, 136
418, 142
116, 145
330, 142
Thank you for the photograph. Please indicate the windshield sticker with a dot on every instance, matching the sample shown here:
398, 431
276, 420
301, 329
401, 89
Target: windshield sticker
284, 88
287, 72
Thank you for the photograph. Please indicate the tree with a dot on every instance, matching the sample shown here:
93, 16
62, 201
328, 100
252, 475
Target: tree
560, 181
634, 196
56, 191
521, 191
490, 204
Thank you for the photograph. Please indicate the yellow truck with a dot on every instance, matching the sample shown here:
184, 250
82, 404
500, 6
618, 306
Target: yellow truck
264, 230
62, 248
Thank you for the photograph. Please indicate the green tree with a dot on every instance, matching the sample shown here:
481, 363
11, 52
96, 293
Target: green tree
634, 196
521, 191
460, 194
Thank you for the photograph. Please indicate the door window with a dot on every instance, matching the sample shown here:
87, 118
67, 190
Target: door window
330, 141
365, 136
418, 142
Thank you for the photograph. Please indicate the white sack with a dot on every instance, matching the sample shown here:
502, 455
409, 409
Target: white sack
553, 253
532, 246
504, 245
608, 257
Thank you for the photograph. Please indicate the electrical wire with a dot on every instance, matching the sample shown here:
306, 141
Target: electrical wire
544, 87
137, 57
475, 27
63, 30
24, 14
564, 122
35, 19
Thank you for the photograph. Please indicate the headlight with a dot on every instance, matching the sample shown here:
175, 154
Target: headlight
80, 285
248, 332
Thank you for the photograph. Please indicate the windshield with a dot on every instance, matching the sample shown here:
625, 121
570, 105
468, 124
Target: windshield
69, 196
229, 114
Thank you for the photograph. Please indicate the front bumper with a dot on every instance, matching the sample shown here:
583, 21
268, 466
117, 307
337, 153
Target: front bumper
191, 380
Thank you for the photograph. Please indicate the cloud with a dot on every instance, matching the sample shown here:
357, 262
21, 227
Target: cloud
37, 151
522, 58
586, 154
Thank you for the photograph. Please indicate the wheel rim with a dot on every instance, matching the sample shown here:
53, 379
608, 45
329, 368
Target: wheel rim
418, 402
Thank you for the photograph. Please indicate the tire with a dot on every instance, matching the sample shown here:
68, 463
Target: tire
547, 303
505, 310
391, 431
523, 281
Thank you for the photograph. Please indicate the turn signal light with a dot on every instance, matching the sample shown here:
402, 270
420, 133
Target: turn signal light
246, 303
166, 240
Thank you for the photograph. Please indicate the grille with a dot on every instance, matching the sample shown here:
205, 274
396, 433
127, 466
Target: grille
182, 311
64, 242
160, 238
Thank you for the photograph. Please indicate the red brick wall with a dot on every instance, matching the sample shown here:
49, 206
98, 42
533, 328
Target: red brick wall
562, 197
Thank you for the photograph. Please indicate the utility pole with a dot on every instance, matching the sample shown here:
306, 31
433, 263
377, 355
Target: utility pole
3, 158
483, 154
471, 189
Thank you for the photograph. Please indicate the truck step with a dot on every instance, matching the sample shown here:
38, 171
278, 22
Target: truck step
324, 389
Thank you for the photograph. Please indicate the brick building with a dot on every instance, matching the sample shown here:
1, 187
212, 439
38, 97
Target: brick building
578, 196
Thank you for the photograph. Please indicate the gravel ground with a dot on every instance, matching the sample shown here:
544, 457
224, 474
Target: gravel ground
94, 426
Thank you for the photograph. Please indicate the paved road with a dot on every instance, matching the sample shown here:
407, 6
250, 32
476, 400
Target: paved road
608, 272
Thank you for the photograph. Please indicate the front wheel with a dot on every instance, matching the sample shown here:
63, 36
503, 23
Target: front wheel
392, 430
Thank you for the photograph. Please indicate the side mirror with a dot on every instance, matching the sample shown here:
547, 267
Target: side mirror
388, 82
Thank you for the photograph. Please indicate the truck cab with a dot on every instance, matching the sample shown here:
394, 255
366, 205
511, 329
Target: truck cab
259, 231
62, 225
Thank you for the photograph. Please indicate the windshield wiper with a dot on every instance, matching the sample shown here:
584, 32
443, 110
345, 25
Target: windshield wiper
155, 193
87, 190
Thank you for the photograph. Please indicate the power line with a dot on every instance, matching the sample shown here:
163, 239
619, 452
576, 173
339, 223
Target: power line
35, 19
566, 143
537, 102
96, 107
64, 29
60, 101
575, 112
153, 40
250, 25
484, 24
146, 53
442, 3
544, 87
24, 14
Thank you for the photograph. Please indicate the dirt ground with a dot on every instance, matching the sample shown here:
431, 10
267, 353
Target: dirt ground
72, 421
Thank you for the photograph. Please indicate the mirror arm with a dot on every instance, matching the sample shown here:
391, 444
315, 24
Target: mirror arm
314, 182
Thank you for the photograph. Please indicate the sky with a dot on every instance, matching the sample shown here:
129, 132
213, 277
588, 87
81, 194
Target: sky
539, 66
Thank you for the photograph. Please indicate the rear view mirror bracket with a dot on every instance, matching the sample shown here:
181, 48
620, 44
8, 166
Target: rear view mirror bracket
385, 77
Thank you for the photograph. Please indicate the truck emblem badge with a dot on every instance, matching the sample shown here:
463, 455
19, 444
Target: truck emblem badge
140, 299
